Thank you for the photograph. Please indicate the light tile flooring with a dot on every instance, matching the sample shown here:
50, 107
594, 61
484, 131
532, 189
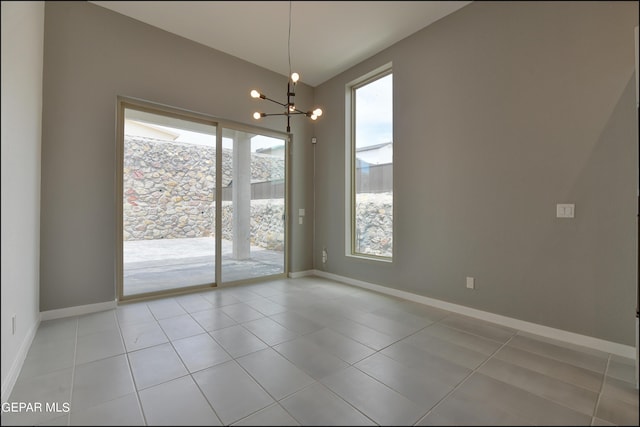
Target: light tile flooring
310, 351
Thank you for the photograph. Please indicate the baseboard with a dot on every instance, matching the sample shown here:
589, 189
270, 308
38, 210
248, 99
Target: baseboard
298, 274
77, 310
18, 361
533, 328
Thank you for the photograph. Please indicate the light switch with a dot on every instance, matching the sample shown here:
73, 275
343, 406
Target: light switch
471, 283
301, 212
565, 210
299, 220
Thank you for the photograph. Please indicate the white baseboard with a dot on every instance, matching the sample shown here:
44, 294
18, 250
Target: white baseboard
16, 367
18, 361
297, 274
77, 310
533, 328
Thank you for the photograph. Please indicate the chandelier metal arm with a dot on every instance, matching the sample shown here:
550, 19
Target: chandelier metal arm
290, 113
290, 107
272, 100
306, 113
273, 114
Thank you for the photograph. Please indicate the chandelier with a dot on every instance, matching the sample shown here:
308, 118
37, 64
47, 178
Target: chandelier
290, 107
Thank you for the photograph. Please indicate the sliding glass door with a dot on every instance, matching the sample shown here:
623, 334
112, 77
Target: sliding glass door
253, 205
172, 234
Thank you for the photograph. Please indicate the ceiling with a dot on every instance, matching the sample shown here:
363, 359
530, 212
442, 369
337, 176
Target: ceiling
327, 37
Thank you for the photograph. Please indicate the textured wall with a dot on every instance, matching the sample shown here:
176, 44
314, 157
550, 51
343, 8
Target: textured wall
502, 110
22, 49
92, 56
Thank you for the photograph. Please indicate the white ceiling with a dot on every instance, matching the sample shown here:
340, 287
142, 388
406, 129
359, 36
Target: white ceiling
327, 37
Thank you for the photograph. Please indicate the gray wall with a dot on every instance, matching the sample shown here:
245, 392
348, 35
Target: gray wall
22, 47
503, 110
91, 56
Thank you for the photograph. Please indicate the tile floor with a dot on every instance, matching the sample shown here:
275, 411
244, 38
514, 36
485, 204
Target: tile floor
310, 351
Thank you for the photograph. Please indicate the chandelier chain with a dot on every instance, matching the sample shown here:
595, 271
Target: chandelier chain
289, 39
290, 107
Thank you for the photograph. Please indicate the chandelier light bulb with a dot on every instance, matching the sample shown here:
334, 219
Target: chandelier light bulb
289, 106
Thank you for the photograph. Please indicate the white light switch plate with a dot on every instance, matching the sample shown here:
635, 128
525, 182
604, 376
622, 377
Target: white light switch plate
565, 210
471, 283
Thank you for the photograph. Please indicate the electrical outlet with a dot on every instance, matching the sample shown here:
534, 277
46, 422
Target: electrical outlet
471, 283
325, 255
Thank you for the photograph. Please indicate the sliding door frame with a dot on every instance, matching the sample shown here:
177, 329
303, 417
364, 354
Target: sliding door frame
123, 103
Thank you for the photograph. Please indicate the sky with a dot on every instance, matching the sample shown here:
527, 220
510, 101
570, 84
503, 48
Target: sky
374, 112
197, 138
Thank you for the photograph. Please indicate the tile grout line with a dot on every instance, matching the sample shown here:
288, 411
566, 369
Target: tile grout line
276, 401
73, 371
335, 394
126, 355
170, 341
189, 373
518, 333
488, 358
473, 333
414, 333
604, 378
318, 381
555, 359
321, 384
564, 347
234, 359
465, 379
365, 357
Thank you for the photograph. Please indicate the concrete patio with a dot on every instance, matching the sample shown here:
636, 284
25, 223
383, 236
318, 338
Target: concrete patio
154, 265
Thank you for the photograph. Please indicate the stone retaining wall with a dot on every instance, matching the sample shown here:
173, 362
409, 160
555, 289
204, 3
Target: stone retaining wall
267, 226
374, 223
169, 187
169, 193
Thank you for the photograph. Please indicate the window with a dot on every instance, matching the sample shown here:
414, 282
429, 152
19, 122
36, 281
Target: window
370, 165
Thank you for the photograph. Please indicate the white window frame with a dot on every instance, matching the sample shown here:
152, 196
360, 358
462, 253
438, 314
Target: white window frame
350, 150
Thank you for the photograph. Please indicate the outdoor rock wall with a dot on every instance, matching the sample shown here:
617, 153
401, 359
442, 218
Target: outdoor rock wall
169, 193
374, 223
267, 226
169, 187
